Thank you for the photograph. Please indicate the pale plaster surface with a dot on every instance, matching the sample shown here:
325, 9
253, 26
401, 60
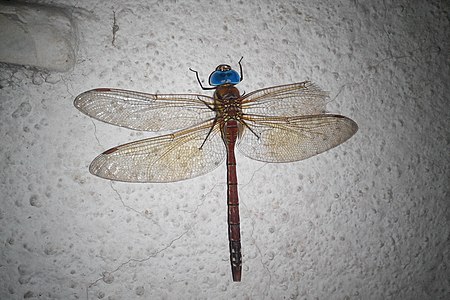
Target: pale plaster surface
366, 220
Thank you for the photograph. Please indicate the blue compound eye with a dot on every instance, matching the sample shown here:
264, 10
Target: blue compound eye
223, 75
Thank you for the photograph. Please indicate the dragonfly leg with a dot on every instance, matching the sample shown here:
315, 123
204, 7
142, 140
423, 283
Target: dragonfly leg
240, 69
209, 132
249, 128
199, 82
206, 103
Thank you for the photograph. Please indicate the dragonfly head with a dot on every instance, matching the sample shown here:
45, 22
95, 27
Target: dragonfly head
223, 75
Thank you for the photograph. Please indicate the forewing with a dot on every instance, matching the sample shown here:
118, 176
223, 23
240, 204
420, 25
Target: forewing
164, 158
141, 111
297, 99
287, 139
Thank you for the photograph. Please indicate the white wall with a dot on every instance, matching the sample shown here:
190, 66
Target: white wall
366, 220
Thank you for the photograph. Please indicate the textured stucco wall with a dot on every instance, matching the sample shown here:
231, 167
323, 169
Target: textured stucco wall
366, 220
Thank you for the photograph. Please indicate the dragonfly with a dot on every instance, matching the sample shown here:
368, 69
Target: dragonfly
279, 124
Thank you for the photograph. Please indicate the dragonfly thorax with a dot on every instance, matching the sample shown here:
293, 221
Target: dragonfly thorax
227, 102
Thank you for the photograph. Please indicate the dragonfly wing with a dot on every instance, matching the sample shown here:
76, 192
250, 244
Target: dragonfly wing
287, 139
297, 99
163, 158
141, 111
